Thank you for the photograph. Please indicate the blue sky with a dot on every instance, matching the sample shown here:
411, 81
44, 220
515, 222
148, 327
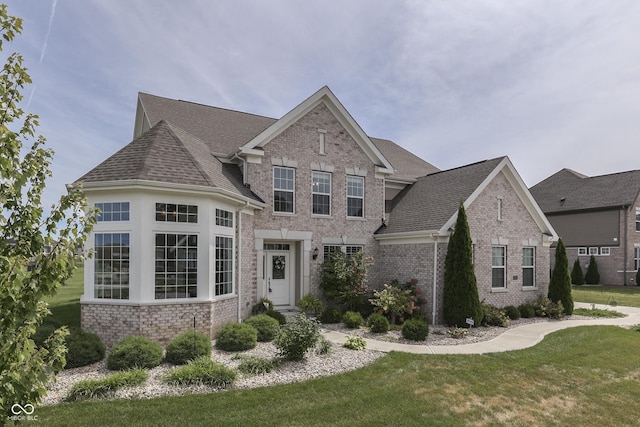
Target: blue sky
551, 84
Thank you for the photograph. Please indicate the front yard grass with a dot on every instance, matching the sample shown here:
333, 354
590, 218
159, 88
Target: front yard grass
579, 376
628, 296
65, 304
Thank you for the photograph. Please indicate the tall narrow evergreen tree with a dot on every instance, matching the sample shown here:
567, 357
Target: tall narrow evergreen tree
577, 277
592, 277
560, 285
460, 295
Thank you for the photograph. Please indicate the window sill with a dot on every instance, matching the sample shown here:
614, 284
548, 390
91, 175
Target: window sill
321, 216
356, 218
498, 290
529, 288
293, 215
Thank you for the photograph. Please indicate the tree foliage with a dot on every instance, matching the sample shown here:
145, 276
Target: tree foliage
27, 273
592, 277
344, 278
460, 295
560, 284
577, 276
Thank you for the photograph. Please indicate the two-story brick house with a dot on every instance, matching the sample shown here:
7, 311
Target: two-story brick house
597, 216
207, 210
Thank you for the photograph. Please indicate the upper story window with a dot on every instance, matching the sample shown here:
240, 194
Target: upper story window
283, 189
499, 208
224, 218
498, 267
171, 212
355, 196
637, 219
582, 251
112, 211
593, 251
111, 266
321, 193
529, 267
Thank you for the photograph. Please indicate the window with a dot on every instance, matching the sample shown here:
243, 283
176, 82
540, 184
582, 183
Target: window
593, 251
111, 265
529, 267
636, 258
605, 251
582, 251
171, 212
321, 193
637, 219
276, 246
499, 208
224, 265
355, 196
176, 266
350, 250
498, 267
283, 189
112, 211
224, 218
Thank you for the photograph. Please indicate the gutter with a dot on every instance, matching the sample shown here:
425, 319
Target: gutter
435, 278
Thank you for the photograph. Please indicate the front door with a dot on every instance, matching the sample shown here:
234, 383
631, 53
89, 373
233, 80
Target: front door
279, 277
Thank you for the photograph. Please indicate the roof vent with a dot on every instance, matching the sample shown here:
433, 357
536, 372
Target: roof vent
563, 199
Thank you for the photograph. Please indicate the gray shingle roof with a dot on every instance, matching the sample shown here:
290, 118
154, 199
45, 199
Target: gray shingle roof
567, 191
433, 199
166, 153
224, 131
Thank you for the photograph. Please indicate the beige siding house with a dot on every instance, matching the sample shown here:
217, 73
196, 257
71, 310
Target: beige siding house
208, 210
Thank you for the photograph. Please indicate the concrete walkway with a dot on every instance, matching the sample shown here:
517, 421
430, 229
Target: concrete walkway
517, 338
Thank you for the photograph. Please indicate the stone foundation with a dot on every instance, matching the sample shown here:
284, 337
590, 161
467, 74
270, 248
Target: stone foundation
159, 322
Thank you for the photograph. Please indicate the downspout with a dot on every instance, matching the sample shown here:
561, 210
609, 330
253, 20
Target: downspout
239, 275
626, 243
435, 278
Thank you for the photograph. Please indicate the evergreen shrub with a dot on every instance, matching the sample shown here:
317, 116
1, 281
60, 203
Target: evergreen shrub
134, 352
266, 326
277, 315
236, 337
592, 276
378, 323
527, 310
512, 312
577, 277
352, 319
84, 348
331, 315
188, 346
415, 330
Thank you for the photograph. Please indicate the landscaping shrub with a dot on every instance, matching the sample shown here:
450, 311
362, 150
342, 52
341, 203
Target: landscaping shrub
297, 336
262, 306
544, 307
352, 319
577, 276
255, 365
84, 348
323, 346
415, 330
44, 331
560, 283
202, 371
378, 323
343, 278
278, 316
355, 343
527, 310
236, 337
310, 304
638, 277
494, 316
512, 312
134, 352
266, 326
87, 389
331, 315
592, 276
457, 332
188, 346
399, 301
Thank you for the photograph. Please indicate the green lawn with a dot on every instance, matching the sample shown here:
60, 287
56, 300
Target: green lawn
580, 376
623, 295
65, 304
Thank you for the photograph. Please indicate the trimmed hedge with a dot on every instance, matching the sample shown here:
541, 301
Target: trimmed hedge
378, 323
134, 352
352, 319
331, 315
188, 346
415, 330
84, 348
237, 337
266, 326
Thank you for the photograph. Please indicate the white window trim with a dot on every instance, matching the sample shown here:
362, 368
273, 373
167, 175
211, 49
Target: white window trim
215, 262
355, 197
530, 267
500, 206
274, 189
583, 251
594, 250
502, 267
605, 251
314, 192
638, 220
636, 257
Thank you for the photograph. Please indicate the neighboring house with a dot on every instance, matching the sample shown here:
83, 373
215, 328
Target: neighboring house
597, 216
208, 210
